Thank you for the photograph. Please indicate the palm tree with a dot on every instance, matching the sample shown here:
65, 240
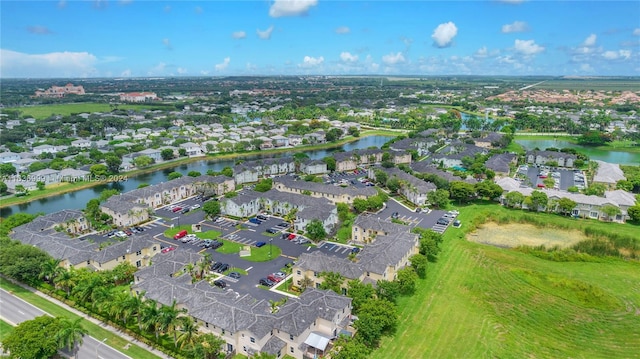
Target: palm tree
118, 309
150, 317
50, 270
188, 332
202, 267
70, 335
85, 288
135, 305
169, 319
67, 280
100, 299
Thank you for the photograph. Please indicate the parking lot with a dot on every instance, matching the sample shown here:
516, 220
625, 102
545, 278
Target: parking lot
411, 218
564, 178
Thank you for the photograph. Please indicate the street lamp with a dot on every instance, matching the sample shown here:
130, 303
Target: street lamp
98, 346
270, 246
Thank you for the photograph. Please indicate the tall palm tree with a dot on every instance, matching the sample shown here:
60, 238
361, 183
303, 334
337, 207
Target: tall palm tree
169, 319
101, 298
135, 305
70, 335
188, 332
150, 317
118, 308
85, 288
66, 280
50, 270
203, 265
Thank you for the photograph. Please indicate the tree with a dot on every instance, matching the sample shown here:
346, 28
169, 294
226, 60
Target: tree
33, 339
461, 191
70, 335
429, 248
113, 163
227, 171
151, 317
3, 188
99, 171
359, 293
169, 319
50, 270
595, 189
393, 184
419, 263
208, 346
514, 199
625, 185
333, 134
194, 174
22, 262
376, 317
539, 200
264, 185
407, 278
381, 177
211, 208
37, 166
353, 131
565, 205
331, 163
174, 175
439, 198
182, 152
143, 161
188, 333
387, 290
634, 213
573, 189
332, 280
7, 169
108, 193
315, 230
20, 189
166, 154
549, 182
40, 185
611, 211
360, 205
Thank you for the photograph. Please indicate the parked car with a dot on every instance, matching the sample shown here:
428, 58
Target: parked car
355, 250
195, 206
262, 217
395, 215
457, 223
176, 209
291, 236
224, 267
266, 282
168, 249
280, 275
273, 278
272, 230
260, 244
180, 234
301, 240
220, 283
255, 221
443, 221
234, 275
216, 265
215, 245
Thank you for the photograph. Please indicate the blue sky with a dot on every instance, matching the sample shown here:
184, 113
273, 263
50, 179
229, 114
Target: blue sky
138, 38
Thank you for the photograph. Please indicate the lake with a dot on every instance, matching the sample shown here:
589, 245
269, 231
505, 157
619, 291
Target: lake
613, 156
79, 198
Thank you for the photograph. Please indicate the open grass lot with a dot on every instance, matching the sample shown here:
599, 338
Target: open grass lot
5, 329
95, 331
517, 234
66, 109
482, 301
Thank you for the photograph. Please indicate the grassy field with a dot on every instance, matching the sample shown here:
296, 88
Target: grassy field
481, 301
5, 329
512, 235
94, 330
44, 111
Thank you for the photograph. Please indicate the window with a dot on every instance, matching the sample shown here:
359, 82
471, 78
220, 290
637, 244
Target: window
318, 285
291, 349
298, 272
123, 258
593, 214
138, 264
154, 248
222, 331
139, 253
279, 353
315, 274
253, 340
290, 336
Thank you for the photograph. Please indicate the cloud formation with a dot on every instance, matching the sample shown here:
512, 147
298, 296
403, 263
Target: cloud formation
516, 26
527, 47
223, 66
308, 61
266, 34
167, 43
39, 30
347, 57
615, 55
443, 34
282, 8
239, 35
53, 64
345, 30
392, 59
636, 32
590, 40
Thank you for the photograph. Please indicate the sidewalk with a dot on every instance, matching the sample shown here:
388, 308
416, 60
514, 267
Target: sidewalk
103, 325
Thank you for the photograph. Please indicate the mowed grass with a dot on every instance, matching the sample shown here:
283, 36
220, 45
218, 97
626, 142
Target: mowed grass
5, 330
66, 109
482, 301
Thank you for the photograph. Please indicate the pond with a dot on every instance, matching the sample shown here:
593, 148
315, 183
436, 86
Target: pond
79, 198
612, 156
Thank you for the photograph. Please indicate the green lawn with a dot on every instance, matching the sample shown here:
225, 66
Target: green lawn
480, 301
5, 329
44, 111
262, 254
94, 330
208, 234
229, 247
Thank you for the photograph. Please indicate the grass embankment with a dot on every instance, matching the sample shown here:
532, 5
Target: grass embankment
5, 330
481, 301
61, 188
94, 330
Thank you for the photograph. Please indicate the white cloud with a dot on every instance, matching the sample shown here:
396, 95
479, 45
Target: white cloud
636, 32
281, 8
614, 55
347, 57
590, 40
443, 34
482, 52
345, 30
266, 34
516, 26
126, 73
222, 66
157, 70
586, 68
182, 70
392, 59
309, 61
528, 47
53, 64
239, 35
167, 43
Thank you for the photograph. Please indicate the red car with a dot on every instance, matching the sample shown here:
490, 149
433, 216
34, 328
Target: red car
168, 249
273, 278
176, 209
291, 237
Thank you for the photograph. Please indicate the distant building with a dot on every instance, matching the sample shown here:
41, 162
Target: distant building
61, 91
138, 97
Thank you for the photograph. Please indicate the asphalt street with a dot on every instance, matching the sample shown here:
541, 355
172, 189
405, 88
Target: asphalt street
15, 311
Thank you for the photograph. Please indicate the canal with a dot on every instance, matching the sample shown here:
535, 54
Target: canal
613, 156
79, 199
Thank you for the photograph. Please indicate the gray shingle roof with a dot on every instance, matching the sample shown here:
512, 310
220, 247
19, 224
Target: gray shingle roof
321, 262
290, 182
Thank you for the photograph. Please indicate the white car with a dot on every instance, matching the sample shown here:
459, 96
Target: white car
195, 206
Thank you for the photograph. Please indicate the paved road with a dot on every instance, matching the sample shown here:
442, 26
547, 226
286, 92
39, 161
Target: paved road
15, 310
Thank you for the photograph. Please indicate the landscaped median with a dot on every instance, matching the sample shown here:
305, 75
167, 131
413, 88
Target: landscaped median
94, 330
